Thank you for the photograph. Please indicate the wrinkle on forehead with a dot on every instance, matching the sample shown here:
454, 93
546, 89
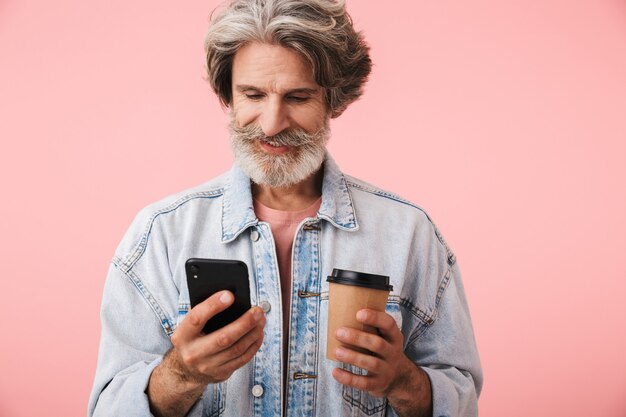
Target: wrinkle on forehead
272, 68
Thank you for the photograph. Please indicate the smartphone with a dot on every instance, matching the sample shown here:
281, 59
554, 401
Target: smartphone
205, 277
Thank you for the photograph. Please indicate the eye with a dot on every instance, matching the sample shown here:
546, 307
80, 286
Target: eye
298, 99
254, 96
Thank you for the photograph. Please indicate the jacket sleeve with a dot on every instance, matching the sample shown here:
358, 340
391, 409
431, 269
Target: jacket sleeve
132, 344
446, 350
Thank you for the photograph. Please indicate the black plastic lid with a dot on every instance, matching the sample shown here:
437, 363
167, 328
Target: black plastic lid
360, 279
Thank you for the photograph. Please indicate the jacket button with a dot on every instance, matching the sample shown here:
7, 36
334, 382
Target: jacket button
254, 235
257, 390
265, 306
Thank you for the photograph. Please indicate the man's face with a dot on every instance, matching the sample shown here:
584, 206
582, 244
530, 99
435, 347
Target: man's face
279, 126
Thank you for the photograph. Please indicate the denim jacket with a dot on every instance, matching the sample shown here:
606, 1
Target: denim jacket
358, 227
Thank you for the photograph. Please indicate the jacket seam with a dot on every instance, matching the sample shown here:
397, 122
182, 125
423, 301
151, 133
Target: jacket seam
140, 247
433, 317
352, 210
166, 322
420, 314
394, 197
385, 194
346, 222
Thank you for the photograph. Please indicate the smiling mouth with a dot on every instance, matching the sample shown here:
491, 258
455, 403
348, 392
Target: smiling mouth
272, 143
273, 148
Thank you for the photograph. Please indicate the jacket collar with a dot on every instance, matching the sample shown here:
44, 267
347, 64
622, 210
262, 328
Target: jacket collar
238, 212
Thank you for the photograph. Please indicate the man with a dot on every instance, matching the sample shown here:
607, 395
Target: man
283, 68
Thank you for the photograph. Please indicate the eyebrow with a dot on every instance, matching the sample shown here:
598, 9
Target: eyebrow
302, 90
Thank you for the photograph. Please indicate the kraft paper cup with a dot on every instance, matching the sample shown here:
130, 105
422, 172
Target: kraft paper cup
349, 292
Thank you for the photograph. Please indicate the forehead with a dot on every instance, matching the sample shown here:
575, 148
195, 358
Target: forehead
271, 67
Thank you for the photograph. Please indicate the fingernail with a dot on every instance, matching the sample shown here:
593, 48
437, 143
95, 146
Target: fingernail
340, 353
257, 314
341, 333
225, 297
361, 315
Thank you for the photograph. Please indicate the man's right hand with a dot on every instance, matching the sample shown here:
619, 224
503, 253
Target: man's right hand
197, 359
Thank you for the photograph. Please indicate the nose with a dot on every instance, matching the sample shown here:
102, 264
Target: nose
274, 118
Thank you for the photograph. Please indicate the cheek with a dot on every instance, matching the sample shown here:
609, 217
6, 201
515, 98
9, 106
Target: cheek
311, 119
244, 115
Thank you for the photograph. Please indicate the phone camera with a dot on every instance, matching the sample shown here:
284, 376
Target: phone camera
194, 270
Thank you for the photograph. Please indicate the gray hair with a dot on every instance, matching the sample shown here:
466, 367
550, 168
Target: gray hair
321, 31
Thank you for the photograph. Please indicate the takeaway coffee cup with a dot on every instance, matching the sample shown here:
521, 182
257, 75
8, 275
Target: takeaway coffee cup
349, 292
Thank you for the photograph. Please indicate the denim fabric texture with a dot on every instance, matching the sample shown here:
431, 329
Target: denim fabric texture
358, 227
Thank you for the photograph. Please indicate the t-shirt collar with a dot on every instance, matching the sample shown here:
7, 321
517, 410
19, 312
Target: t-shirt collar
238, 210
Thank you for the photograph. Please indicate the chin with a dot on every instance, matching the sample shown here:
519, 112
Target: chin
279, 171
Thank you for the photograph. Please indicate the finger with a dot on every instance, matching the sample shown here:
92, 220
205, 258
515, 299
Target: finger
372, 342
218, 364
238, 349
362, 382
370, 363
201, 351
192, 324
236, 363
385, 324
228, 335
240, 346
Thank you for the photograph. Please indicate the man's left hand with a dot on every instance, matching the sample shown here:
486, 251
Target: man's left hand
386, 367
390, 372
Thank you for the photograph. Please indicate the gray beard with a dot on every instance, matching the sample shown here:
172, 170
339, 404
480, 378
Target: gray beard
303, 160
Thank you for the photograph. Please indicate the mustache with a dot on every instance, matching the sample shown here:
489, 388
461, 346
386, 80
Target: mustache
295, 137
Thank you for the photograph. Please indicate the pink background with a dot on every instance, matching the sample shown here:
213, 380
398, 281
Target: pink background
506, 120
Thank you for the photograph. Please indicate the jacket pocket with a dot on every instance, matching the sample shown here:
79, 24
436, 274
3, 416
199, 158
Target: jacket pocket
394, 310
361, 403
214, 400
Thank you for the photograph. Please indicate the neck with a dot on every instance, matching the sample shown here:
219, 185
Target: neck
292, 198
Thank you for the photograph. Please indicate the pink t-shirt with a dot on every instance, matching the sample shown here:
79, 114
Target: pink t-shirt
284, 225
